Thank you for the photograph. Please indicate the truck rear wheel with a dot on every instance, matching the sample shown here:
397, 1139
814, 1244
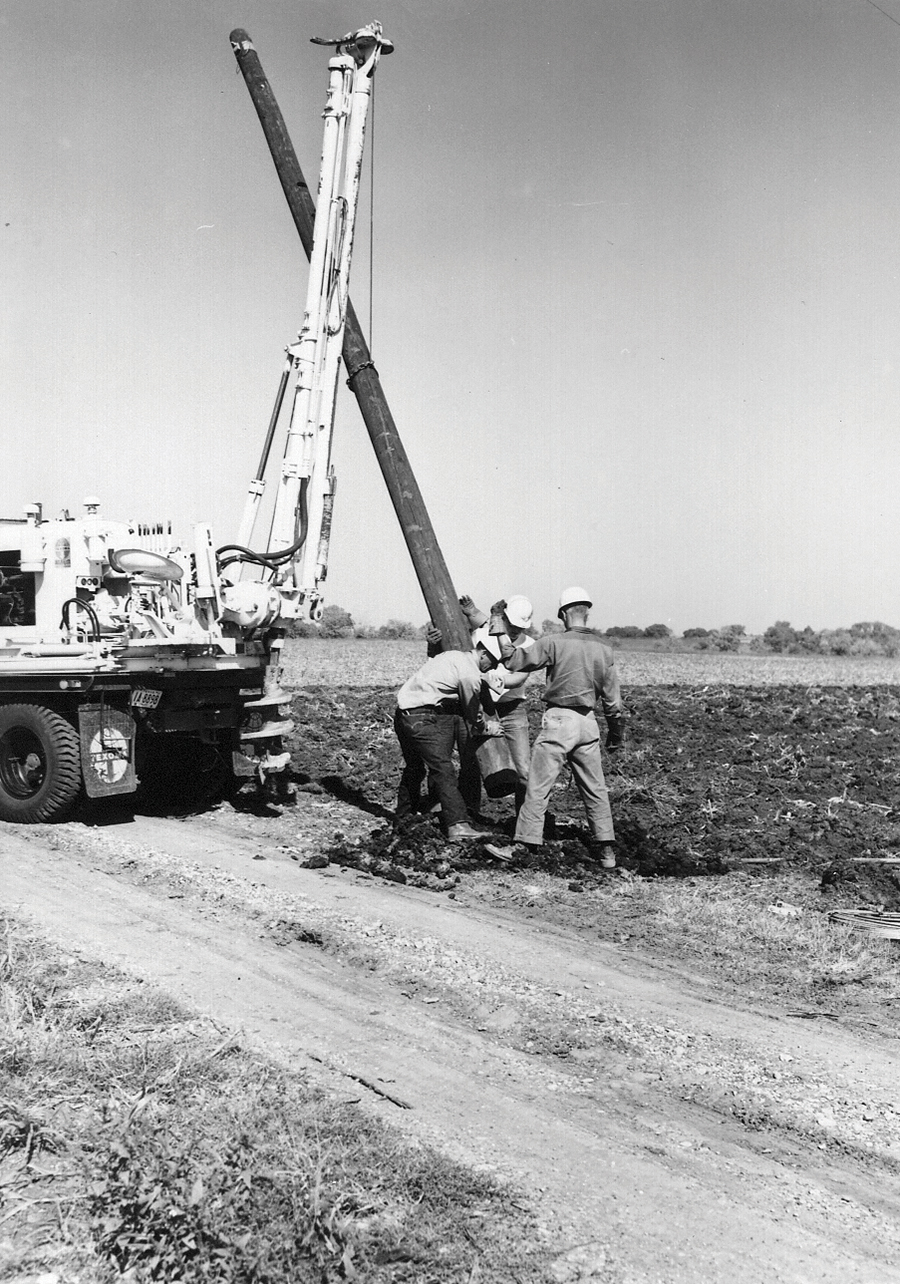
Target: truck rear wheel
40, 764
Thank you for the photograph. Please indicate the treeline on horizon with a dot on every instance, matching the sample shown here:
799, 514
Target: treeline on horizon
866, 638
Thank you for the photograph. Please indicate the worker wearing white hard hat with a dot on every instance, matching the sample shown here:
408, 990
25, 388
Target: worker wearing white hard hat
580, 673
574, 596
490, 642
509, 619
448, 690
508, 622
518, 612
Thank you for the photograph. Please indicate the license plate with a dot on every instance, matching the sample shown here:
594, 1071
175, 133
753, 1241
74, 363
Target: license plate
145, 698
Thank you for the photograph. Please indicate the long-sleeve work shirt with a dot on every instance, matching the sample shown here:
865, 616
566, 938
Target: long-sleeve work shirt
449, 676
580, 670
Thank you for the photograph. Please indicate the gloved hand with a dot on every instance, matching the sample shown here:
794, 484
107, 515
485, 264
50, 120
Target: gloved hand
498, 621
492, 682
615, 737
475, 617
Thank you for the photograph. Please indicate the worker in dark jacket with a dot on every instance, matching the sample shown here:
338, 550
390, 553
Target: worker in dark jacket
447, 687
581, 672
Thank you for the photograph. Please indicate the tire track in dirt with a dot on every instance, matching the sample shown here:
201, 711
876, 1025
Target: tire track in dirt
662, 1190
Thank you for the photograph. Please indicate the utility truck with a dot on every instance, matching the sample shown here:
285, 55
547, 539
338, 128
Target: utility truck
132, 654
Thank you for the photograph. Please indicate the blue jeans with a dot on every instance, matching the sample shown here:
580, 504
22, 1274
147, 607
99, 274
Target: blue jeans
566, 736
427, 738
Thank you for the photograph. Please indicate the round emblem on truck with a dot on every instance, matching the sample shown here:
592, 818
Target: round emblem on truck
109, 755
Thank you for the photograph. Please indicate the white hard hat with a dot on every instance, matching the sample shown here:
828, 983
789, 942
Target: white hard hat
519, 611
574, 596
491, 644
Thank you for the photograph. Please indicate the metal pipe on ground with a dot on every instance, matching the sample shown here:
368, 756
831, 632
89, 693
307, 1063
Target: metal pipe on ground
362, 377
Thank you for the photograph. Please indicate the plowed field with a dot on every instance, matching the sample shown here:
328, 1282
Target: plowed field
712, 779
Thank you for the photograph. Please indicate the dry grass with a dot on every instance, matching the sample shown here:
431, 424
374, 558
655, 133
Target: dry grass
364, 663
766, 935
135, 1139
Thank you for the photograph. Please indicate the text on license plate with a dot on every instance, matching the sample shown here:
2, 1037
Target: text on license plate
145, 698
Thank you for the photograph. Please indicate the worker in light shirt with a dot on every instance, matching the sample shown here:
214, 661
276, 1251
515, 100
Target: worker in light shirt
581, 673
448, 686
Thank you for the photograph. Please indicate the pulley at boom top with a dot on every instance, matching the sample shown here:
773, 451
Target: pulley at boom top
297, 550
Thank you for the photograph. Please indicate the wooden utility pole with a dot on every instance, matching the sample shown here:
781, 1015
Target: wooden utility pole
362, 377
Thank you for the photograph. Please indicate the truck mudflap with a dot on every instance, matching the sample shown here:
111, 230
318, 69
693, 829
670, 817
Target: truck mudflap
107, 750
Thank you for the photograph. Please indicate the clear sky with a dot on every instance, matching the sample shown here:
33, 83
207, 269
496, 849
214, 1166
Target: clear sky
636, 303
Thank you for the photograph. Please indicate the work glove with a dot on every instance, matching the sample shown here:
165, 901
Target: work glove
475, 617
434, 638
615, 737
492, 683
498, 621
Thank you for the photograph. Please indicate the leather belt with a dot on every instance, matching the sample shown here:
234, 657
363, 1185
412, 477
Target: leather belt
450, 707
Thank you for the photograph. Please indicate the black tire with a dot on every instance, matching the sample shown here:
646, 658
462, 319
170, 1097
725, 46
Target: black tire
40, 764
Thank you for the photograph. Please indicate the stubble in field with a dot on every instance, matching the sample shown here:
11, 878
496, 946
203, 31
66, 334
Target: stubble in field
357, 662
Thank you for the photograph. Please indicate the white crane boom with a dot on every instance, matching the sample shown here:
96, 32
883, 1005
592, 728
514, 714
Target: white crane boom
297, 549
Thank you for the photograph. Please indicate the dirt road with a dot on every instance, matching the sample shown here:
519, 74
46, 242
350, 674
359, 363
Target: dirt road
663, 1134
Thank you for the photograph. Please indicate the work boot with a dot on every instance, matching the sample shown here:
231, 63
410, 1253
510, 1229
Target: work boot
605, 853
518, 852
462, 833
